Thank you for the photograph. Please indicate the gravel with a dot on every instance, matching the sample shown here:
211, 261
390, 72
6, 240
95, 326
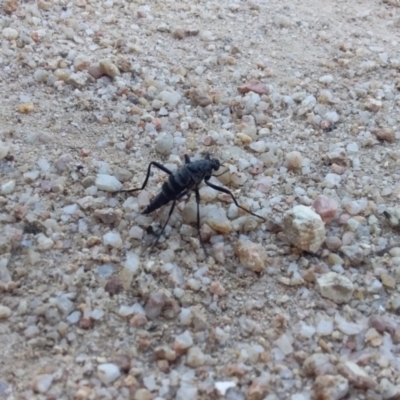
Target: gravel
300, 105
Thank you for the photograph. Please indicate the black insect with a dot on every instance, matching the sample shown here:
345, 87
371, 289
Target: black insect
180, 183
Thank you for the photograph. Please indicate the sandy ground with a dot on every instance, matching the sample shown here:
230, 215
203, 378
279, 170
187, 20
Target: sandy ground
303, 306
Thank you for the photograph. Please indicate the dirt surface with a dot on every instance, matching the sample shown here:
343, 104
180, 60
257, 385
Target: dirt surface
299, 100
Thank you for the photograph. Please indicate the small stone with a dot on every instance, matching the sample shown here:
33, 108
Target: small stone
253, 86
43, 242
354, 254
41, 75
260, 146
251, 255
332, 117
326, 208
108, 183
284, 342
78, 80
304, 228
64, 304
314, 363
5, 312
113, 239
223, 386
217, 288
382, 324
172, 98
143, 394
8, 187
326, 79
330, 387
335, 287
4, 150
294, 160
388, 281
258, 389
42, 383
200, 98
26, 108
388, 390
81, 63
108, 215
155, 305
130, 269
325, 327
183, 342
333, 243
216, 218
373, 105
107, 67
44, 5
62, 74
138, 320
348, 328
10, 33
10, 6
356, 376
95, 71
195, 357
108, 373
164, 144
165, 353
385, 134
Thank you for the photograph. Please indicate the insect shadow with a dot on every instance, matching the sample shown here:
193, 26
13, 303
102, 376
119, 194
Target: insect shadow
181, 183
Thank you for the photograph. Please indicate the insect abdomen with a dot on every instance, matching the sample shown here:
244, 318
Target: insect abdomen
169, 191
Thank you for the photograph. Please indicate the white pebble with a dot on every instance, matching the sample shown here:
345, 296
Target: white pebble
324, 327
164, 143
10, 33
42, 383
332, 117
44, 243
108, 183
326, 79
5, 312
108, 373
8, 187
260, 146
171, 98
352, 147
112, 239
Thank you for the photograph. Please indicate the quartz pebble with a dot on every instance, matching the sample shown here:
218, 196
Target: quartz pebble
42, 383
5, 312
335, 287
331, 387
251, 255
326, 208
108, 373
304, 228
108, 183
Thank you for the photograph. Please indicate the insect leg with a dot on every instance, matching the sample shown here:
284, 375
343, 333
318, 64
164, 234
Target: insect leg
164, 226
198, 218
223, 190
156, 164
184, 193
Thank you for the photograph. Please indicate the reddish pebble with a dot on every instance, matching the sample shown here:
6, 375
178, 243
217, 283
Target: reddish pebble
325, 207
138, 320
217, 288
343, 219
253, 86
